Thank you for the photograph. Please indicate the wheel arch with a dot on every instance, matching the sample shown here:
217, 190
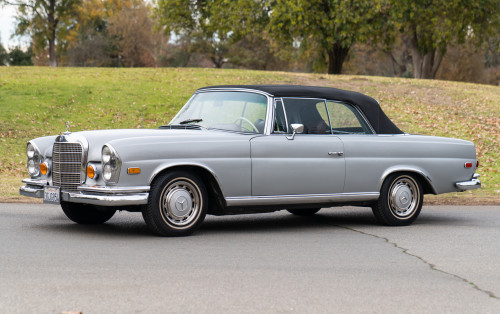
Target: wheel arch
216, 199
426, 181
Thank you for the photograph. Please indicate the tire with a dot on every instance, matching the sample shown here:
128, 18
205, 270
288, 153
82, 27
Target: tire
177, 204
86, 214
304, 211
400, 200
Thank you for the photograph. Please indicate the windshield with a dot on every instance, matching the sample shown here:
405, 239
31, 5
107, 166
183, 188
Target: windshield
232, 111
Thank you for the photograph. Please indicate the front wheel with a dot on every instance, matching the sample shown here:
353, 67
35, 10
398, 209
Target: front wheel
177, 204
400, 200
87, 214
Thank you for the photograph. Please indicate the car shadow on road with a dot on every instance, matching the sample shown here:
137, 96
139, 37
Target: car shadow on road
116, 226
283, 221
132, 224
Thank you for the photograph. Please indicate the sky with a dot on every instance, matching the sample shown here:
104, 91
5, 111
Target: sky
7, 14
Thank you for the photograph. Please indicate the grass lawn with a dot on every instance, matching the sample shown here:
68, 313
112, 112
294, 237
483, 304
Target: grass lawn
36, 101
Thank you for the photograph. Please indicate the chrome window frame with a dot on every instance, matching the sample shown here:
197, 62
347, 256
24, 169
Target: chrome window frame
280, 99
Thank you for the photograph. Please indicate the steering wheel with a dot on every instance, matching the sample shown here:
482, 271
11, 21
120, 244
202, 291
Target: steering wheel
250, 122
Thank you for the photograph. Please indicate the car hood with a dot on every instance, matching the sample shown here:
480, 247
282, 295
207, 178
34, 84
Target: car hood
120, 137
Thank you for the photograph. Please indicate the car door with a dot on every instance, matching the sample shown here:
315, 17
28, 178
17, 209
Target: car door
310, 163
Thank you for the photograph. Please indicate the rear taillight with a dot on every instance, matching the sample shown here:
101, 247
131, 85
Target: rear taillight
468, 165
477, 164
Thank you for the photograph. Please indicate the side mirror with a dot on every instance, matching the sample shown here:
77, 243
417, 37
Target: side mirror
297, 129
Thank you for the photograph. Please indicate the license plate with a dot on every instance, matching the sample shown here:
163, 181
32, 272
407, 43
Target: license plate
52, 195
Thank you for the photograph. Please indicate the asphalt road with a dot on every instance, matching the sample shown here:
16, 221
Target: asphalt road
336, 261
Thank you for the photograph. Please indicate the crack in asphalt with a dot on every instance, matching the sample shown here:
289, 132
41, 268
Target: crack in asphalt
432, 266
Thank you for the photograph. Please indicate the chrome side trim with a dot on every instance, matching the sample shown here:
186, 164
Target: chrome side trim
114, 189
105, 199
301, 199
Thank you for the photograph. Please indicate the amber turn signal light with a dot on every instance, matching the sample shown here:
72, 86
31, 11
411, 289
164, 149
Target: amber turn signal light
91, 171
134, 170
44, 168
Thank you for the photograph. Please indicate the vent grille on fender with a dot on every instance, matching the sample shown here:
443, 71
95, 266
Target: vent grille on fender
67, 161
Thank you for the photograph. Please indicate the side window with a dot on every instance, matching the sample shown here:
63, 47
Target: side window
345, 119
312, 113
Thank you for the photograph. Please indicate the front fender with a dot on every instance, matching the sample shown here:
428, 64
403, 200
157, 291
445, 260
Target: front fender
168, 165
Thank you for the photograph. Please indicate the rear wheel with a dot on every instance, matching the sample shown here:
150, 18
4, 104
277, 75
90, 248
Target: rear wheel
400, 200
304, 211
87, 214
177, 204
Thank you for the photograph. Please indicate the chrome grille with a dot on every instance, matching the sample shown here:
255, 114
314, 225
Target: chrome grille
67, 165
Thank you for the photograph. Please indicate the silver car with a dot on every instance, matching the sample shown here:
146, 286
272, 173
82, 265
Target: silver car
250, 149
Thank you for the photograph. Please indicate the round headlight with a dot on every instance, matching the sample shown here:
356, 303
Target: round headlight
33, 168
107, 172
106, 154
30, 151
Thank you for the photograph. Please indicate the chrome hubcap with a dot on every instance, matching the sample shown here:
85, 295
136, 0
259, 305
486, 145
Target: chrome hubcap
403, 197
180, 202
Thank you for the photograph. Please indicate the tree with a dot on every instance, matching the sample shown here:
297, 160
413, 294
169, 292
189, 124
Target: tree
254, 51
45, 21
431, 26
3, 55
133, 30
193, 19
111, 33
212, 25
335, 25
17, 56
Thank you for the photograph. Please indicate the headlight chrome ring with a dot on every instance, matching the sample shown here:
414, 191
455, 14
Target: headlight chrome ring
34, 159
111, 164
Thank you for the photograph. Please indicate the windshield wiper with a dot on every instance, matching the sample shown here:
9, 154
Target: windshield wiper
190, 121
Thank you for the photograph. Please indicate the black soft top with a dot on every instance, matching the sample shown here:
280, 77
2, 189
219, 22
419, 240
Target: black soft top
369, 106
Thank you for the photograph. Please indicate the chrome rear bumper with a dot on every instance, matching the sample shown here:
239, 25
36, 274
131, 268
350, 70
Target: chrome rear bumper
98, 195
474, 183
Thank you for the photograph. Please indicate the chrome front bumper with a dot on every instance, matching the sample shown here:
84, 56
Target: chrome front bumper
96, 195
469, 185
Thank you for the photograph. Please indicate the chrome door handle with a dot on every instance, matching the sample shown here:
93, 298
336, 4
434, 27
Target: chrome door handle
336, 154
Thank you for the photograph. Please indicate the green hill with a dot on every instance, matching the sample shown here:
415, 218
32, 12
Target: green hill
36, 101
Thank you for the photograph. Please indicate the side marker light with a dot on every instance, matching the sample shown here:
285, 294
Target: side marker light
134, 170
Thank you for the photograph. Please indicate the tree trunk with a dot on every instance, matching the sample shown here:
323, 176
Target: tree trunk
218, 61
336, 57
52, 33
52, 49
425, 65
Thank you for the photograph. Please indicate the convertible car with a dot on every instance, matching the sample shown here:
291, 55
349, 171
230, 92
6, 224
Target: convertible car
250, 149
